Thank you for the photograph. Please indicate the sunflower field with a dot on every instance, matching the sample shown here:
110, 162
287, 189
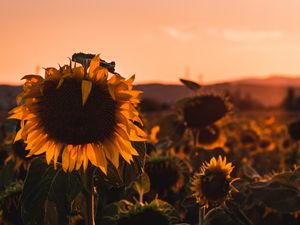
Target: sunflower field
78, 150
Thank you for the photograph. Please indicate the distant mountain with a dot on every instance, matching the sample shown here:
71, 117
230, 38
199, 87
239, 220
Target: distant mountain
260, 91
273, 80
268, 91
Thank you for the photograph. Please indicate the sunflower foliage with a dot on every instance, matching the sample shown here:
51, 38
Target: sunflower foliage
80, 132
76, 137
127, 213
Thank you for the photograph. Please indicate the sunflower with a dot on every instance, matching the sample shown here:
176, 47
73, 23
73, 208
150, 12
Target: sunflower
204, 110
17, 154
294, 130
173, 171
213, 184
15, 151
127, 213
81, 113
211, 137
10, 204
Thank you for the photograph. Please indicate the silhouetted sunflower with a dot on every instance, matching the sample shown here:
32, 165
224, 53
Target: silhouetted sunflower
204, 110
156, 212
266, 144
15, 151
168, 175
81, 113
17, 154
211, 137
10, 204
248, 138
294, 130
213, 184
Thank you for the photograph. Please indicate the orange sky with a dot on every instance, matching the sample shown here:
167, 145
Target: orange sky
156, 40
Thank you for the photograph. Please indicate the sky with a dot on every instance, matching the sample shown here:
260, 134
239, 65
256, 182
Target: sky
158, 40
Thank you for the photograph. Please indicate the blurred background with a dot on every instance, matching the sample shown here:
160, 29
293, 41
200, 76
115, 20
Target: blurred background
249, 49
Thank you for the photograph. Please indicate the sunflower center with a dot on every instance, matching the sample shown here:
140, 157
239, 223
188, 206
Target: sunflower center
65, 119
214, 186
202, 111
163, 175
208, 135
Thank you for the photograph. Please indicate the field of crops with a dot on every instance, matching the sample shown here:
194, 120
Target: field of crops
77, 150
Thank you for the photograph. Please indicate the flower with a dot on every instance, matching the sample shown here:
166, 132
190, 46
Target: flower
80, 113
213, 184
204, 110
168, 175
127, 213
211, 137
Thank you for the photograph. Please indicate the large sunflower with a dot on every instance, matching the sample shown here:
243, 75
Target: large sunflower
81, 113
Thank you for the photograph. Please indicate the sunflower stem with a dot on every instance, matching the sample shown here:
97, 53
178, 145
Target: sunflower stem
201, 215
88, 179
141, 196
195, 133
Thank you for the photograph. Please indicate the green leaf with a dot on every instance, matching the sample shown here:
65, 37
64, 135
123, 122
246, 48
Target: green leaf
7, 175
250, 172
142, 185
219, 216
189, 202
44, 184
278, 196
190, 84
64, 188
130, 172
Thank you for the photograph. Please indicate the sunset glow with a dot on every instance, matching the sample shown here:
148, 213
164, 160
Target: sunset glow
160, 41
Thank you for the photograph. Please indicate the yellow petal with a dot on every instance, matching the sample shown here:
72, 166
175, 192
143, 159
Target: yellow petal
85, 158
95, 62
50, 153
130, 81
91, 154
111, 90
56, 154
101, 159
86, 87
111, 152
101, 74
66, 159
73, 158
79, 158
18, 135
126, 146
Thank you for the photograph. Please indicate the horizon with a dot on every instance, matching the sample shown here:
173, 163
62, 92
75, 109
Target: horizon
244, 79
207, 41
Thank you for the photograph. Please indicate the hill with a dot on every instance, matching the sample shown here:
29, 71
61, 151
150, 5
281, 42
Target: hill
268, 91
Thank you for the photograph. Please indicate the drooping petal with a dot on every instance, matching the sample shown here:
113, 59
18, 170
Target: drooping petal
86, 87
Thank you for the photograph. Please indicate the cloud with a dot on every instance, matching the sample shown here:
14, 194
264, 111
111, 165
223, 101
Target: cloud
250, 35
177, 34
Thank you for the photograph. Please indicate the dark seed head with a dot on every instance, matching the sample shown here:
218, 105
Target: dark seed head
214, 185
163, 175
294, 130
209, 135
65, 119
202, 111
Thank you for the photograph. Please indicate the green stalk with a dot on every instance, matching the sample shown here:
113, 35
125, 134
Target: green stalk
201, 215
